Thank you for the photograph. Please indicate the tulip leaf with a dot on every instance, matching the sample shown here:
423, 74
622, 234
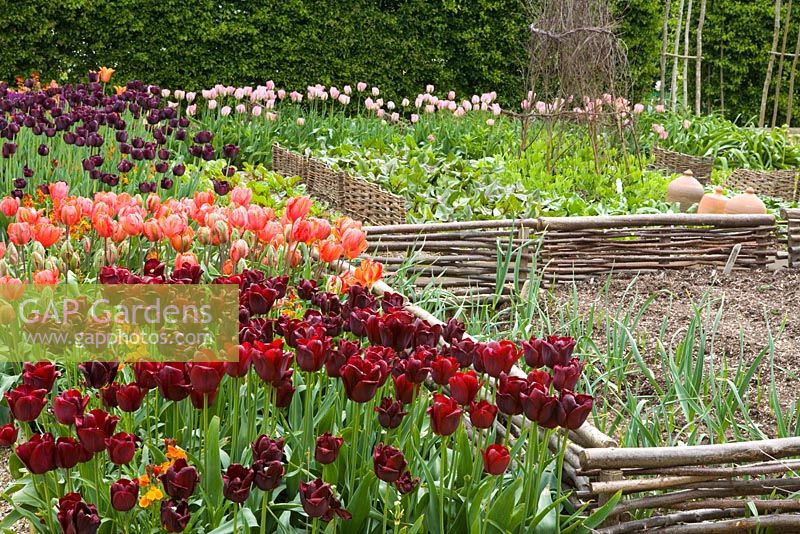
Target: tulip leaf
600, 514
245, 517
474, 515
500, 513
361, 503
212, 475
546, 512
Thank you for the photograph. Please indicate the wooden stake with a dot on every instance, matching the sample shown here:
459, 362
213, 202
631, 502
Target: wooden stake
664, 39
686, 53
673, 86
776, 32
779, 77
791, 80
699, 62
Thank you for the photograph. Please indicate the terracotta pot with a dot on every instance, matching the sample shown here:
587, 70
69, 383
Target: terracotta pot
685, 190
747, 202
713, 202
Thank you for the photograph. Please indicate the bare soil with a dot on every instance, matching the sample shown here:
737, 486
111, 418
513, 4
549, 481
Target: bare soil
754, 303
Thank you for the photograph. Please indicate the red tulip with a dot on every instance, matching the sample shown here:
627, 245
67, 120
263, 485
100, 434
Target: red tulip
311, 353
38, 453
338, 357
318, 501
130, 397
550, 352
68, 452
267, 475
109, 395
567, 376
542, 408
205, 376
173, 382
442, 368
426, 334
174, 515
445, 415
418, 366
482, 414
406, 484
201, 401
464, 351
94, 428
270, 361
180, 480
395, 329
508, 394
124, 494
361, 378
26, 402
8, 435
284, 390
390, 413
267, 449
453, 331
496, 459
540, 376
259, 299
327, 448
498, 357
236, 483
464, 387
39, 375
388, 462
576, 407
121, 447
77, 517
99, 374
404, 389
239, 368
146, 374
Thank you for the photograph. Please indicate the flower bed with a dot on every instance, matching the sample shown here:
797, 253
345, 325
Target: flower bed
306, 427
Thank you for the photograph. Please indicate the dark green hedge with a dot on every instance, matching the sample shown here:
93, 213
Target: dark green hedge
401, 45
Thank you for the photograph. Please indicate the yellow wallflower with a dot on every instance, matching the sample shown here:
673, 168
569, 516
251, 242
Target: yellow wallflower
153, 494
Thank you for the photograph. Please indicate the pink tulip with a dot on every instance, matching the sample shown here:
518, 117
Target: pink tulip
9, 206
429, 88
212, 104
225, 111
361, 87
191, 109
301, 121
414, 118
256, 111
58, 190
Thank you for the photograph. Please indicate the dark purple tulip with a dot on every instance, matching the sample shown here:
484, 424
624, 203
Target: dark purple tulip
124, 166
167, 183
20, 183
179, 169
237, 481
9, 149
43, 150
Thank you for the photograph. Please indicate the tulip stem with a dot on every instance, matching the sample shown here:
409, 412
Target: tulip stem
235, 517
235, 390
560, 467
264, 502
442, 474
386, 507
48, 507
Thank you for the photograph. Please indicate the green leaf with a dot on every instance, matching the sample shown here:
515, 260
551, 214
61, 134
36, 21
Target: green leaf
212, 474
245, 517
503, 505
361, 503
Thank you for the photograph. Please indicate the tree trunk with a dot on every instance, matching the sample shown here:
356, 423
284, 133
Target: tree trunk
776, 33
664, 38
779, 77
673, 86
698, 92
686, 55
791, 80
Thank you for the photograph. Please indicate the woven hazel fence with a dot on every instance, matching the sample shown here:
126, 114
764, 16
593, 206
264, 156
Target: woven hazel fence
792, 217
465, 257
676, 162
779, 184
347, 194
706, 488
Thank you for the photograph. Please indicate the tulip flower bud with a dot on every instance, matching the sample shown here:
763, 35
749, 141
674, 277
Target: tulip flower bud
87, 245
74, 261
67, 249
124, 247
111, 254
3, 268
37, 260
38, 248
12, 254
7, 314
241, 266
204, 235
97, 261
222, 231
